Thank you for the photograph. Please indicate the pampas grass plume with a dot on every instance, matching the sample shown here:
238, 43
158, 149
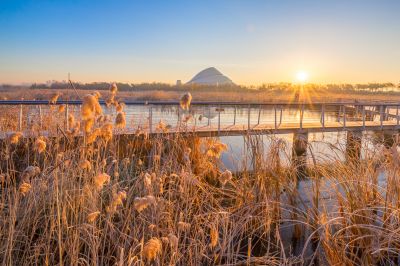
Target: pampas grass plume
61, 108
85, 165
147, 181
183, 226
113, 88
24, 188
118, 199
120, 120
173, 240
100, 180
93, 216
90, 106
54, 98
225, 177
185, 101
15, 137
152, 249
88, 124
71, 120
40, 145
120, 107
142, 203
107, 131
93, 136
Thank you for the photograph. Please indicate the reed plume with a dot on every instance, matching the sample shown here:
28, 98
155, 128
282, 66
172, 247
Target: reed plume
93, 216
152, 249
107, 131
141, 204
90, 106
24, 188
40, 144
225, 177
185, 101
54, 98
15, 137
100, 180
113, 88
120, 121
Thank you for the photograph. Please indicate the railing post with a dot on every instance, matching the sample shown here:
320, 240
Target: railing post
363, 117
40, 117
323, 116
66, 117
397, 115
387, 112
195, 121
234, 116
20, 118
344, 116
248, 118
209, 116
219, 119
280, 115
381, 115
356, 108
259, 114
275, 121
179, 116
151, 119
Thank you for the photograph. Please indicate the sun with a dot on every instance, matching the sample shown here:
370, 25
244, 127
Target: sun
302, 76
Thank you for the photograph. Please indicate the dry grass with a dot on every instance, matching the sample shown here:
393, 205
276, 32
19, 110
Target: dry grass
202, 95
165, 201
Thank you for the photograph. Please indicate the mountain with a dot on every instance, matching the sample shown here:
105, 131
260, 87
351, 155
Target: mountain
210, 76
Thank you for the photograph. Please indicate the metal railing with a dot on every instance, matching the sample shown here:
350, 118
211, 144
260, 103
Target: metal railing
158, 116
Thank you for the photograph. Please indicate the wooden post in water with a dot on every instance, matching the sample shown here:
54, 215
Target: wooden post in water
353, 146
299, 154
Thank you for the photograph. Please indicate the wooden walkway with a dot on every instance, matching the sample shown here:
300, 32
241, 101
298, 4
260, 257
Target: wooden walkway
342, 117
285, 128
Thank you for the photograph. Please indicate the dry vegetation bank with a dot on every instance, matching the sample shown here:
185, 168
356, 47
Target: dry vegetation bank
163, 92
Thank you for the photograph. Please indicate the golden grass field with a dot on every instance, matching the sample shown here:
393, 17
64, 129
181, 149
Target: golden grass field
238, 95
105, 199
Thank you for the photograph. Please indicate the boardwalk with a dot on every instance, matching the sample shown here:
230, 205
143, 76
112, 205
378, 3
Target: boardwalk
218, 119
286, 128
222, 119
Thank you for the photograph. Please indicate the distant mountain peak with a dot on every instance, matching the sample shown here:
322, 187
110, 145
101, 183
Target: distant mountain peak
210, 76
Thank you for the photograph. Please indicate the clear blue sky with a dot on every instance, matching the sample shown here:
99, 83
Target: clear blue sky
251, 41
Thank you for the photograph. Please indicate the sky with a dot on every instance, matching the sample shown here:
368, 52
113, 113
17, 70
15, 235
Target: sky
250, 41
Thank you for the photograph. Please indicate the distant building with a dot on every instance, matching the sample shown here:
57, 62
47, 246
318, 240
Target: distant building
178, 82
210, 76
